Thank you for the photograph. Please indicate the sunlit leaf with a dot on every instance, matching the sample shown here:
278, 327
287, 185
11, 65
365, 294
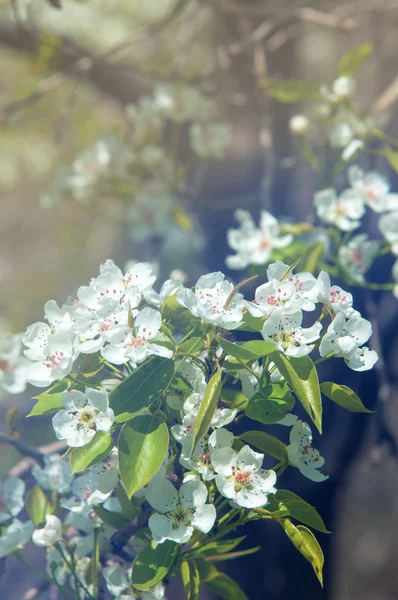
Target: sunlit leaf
343, 396
143, 444
301, 375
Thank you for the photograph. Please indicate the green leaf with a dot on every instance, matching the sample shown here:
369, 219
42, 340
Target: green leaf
266, 443
259, 348
309, 155
191, 580
352, 60
89, 366
392, 157
305, 542
114, 519
250, 323
287, 504
290, 91
92, 453
219, 583
271, 404
143, 445
234, 398
343, 396
141, 389
218, 547
130, 508
153, 563
234, 555
38, 506
161, 339
192, 346
312, 257
249, 351
178, 315
49, 401
236, 351
207, 407
300, 374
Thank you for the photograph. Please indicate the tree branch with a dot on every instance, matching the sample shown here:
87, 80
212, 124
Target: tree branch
24, 465
22, 448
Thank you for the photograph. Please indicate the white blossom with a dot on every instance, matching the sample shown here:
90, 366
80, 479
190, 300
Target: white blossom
302, 455
344, 211
357, 256
344, 338
179, 512
50, 534
341, 135
212, 301
275, 296
55, 476
388, 227
114, 285
55, 565
119, 585
210, 139
137, 343
95, 485
13, 366
344, 87
254, 245
299, 125
374, 189
291, 338
12, 491
18, 534
241, 478
305, 283
83, 415
181, 102
168, 289
93, 325
334, 297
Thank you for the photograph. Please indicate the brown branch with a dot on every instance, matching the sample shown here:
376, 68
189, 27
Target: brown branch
120, 538
23, 467
24, 449
73, 60
76, 61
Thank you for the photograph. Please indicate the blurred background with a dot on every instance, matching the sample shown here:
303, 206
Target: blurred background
73, 73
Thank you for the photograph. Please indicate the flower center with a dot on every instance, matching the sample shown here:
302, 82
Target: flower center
54, 360
86, 416
181, 517
240, 478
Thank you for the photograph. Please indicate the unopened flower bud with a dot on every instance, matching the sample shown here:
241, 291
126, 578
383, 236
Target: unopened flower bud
341, 136
299, 125
323, 110
344, 87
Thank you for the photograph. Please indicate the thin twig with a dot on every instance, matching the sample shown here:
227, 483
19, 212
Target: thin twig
24, 465
119, 539
35, 591
22, 448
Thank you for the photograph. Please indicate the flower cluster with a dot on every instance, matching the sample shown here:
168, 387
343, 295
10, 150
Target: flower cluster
163, 362
254, 245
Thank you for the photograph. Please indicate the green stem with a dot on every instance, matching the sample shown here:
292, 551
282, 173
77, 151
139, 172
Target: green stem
249, 369
21, 559
323, 358
72, 567
96, 559
112, 368
186, 337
